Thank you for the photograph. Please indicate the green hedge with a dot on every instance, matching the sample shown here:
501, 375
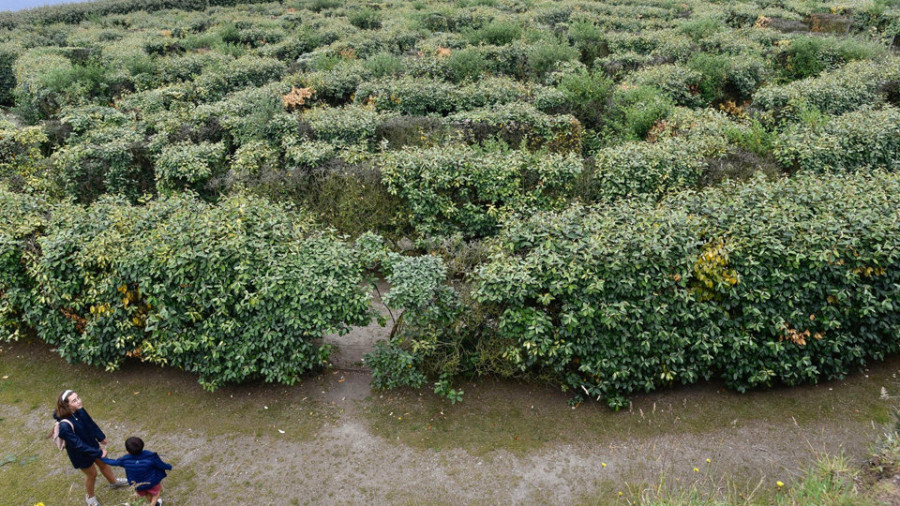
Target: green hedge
421, 96
461, 189
22, 220
231, 292
865, 138
75, 13
643, 168
8, 56
520, 124
773, 282
843, 90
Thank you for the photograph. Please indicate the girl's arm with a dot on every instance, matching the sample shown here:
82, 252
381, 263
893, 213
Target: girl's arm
93, 428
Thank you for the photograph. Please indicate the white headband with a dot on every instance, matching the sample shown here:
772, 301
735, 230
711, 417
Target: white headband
64, 395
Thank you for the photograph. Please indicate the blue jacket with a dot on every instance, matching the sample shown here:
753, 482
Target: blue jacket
82, 439
145, 470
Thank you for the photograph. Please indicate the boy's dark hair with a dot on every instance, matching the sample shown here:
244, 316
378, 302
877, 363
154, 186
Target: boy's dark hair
134, 445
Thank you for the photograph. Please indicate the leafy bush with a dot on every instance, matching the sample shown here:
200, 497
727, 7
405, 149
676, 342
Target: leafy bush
681, 84
835, 92
45, 82
451, 188
520, 125
108, 160
634, 111
244, 72
22, 220
187, 165
497, 32
8, 55
230, 292
640, 168
786, 281
421, 96
545, 55
808, 56
365, 19
21, 158
350, 124
335, 86
862, 139
727, 77
586, 94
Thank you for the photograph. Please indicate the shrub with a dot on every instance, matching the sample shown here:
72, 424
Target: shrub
21, 158
350, 124
244, 72
586, 94
8, 55
335, 86
497, 32
231, 292
545, 55
634, 110
808, 56
768, 282
727, 77
22, 220
835, 92
365, 19
862, 139
187, 165
449, 189
679, 83
45, 82
402, 131
247, 115
383, 64
409, 95
520, 125
108, 160
641, 168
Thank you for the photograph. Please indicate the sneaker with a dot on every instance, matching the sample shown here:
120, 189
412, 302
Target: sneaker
119, 483
91, 501
159, 502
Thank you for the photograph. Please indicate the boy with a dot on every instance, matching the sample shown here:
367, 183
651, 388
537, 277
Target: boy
144, 469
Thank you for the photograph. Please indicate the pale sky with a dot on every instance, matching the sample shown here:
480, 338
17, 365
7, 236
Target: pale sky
14, 5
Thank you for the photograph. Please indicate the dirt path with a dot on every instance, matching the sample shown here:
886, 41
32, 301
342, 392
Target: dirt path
331, 440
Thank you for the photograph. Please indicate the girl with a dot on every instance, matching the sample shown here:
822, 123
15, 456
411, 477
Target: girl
83, 439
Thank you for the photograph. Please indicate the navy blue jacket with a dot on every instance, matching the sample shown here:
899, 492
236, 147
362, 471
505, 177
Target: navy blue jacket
145, 470
82, 439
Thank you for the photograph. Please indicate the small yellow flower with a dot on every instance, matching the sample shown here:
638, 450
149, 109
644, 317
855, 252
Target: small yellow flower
696, 470
620, 492
603, 464
708, 461
39, 504
779, 483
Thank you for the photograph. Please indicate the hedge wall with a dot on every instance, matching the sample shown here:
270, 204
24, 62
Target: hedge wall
789, 281
231, 292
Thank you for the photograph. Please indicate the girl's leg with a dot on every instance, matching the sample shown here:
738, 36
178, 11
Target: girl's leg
106, 470
152, 499
89, 479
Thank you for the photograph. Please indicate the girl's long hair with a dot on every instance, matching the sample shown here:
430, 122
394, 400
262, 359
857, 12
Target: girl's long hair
63, 410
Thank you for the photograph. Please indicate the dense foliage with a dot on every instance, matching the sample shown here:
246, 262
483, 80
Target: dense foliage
252, 139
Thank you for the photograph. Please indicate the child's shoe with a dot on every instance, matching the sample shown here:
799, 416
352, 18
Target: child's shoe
120, 483
159, 502
91, 501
